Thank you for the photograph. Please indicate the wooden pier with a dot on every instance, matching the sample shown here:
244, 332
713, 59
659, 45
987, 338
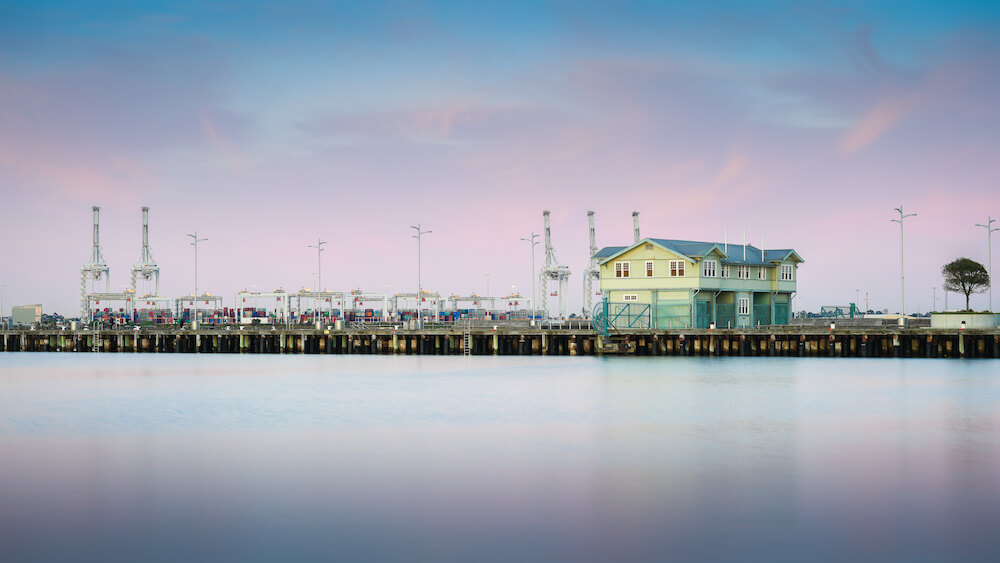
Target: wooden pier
519, 341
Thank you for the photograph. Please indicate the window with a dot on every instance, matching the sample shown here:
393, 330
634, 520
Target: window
630, 297
743, 272
676, 268
709, 268
762, 273
725, 270
649, 268
744, 306
786, 272
621, 269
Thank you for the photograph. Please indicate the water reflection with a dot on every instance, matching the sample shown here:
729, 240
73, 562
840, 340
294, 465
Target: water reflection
263, 458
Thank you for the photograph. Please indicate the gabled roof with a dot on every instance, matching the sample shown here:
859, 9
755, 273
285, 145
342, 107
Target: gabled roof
689, 249
609, 251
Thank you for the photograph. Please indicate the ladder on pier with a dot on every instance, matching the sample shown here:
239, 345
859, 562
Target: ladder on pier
96, 340
467, 339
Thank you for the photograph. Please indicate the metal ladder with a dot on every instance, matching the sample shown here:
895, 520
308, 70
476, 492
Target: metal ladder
467, 339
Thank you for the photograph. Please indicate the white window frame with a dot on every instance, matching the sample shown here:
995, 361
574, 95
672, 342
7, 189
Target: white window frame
762, 273
743, 272
787, 272
710, 269
630, 297
622, 269
677, 268
744, 306
649, 268
725, 271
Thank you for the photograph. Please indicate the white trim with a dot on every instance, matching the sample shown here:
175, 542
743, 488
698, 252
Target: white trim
630, 297
622, 269
787, 272
676, 268
725, 271
710, 268
649, 268
744, 306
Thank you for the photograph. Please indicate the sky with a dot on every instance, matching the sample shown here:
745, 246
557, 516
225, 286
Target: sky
266, 126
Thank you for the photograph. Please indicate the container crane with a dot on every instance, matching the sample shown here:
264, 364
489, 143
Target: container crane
593, 271
553, 270
95, 269
635, 226
146, 266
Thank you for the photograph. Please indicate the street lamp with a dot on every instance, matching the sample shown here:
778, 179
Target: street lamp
420, 290
990, 229
319, 264
534, 294
934, 288
902, 216
195, 245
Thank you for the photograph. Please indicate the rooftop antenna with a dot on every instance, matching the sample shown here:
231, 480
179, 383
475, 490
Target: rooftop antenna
94, 269
146, 266
593, 271
635, 225
553, 270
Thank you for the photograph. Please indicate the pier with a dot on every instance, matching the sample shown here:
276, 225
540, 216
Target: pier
562, 340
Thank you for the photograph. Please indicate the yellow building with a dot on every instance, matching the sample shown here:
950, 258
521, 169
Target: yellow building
667, 284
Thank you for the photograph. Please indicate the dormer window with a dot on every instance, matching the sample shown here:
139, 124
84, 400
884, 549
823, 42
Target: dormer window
786, 272
709, 268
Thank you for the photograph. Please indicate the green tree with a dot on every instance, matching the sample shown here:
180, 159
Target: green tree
965, 276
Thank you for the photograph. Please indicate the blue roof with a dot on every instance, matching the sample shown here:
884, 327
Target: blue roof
733, 253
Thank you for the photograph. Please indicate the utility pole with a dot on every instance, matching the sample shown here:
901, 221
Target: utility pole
319, 263
195, 242
420, 290
935, 296
534, 294
902, 216
990, 229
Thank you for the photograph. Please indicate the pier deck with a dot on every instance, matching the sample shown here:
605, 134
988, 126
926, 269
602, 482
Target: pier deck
871, 342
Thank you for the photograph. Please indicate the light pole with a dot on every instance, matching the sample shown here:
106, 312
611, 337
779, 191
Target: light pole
902, 216
420, 290
534, 295
990, 229
195, 242
487, 284
319, 264
935, 296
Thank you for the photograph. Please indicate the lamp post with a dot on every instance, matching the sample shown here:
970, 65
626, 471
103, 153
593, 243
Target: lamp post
195, 242
902, 216
990, 229
420, 290
935, 296
319, 263
534, 294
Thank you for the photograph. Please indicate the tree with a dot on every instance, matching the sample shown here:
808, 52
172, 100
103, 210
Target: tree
965, 276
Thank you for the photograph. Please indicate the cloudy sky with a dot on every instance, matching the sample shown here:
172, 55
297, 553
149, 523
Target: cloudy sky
264, 126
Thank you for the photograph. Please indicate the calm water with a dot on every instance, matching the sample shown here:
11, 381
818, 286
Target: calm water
244, 458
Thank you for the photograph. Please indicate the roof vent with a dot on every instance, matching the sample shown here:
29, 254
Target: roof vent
649, 246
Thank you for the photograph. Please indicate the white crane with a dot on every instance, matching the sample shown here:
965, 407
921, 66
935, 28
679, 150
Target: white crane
146, 266
553, 270
593, 271
94, 269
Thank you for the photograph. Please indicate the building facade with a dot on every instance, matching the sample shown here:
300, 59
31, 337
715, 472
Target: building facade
670, 284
